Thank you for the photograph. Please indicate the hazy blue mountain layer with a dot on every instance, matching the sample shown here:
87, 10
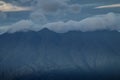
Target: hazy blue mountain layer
47, 55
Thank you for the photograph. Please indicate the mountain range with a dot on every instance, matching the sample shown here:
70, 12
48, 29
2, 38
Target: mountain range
47, 55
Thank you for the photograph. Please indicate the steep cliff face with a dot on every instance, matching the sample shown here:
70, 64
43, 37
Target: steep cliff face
46, 52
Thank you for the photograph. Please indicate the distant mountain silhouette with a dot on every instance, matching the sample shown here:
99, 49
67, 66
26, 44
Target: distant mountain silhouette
46, 55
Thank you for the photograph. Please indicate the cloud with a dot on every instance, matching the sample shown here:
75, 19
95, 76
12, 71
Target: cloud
108, 21
75, 8
53, 10
38, 17
7, 7
51, 5
23, 25
108, 6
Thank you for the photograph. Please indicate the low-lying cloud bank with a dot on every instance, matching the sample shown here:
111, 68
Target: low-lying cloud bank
108, 21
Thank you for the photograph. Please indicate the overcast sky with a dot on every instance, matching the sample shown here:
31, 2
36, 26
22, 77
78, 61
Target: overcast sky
59, 15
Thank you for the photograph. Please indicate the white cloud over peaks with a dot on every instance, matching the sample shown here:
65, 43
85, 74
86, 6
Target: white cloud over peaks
23, 25
108, 21
7, 7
